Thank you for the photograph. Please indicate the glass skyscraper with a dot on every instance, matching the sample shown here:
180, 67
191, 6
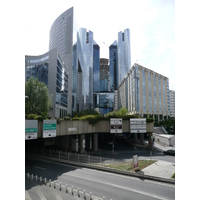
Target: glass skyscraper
124, 54
113, 67
63, 35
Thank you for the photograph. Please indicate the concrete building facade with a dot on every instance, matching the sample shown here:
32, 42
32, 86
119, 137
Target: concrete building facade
145, 92
50, 69
172, 103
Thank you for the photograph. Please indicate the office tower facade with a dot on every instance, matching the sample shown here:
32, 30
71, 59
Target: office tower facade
85, 60
113, 66
124, 54
96, 65
104, 75
172, 103
145, 92
63, 35
50, 69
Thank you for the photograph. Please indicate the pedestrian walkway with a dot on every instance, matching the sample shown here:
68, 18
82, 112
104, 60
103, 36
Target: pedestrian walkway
160, 169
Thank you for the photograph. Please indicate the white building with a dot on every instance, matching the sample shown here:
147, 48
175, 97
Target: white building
172, 103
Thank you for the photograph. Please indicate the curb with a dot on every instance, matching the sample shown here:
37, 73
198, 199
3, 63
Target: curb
134, 174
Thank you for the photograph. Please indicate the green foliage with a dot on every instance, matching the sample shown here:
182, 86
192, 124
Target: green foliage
39, 100
67, 118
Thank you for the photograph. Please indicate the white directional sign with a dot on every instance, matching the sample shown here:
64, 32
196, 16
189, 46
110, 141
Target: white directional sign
72, 129
115, 125
49, 128
138, 125
31, 129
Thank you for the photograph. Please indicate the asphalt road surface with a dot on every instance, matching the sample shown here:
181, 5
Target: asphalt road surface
109, 185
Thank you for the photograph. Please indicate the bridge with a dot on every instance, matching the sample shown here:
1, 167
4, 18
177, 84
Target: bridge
81, 135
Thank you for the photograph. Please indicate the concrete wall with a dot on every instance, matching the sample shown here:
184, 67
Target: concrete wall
83, 127
168, 140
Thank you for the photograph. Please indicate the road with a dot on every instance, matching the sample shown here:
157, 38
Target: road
111, 186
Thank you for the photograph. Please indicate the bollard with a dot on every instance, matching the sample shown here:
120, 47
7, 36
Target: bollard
89, 159
54, 185
32, 176
104, 198
49, 182
40, 179
84, 194
72, 190
36, 177
100, 159
78, 158
66, 189
28, 175
90, 195
45, 181
78, 193
60, 186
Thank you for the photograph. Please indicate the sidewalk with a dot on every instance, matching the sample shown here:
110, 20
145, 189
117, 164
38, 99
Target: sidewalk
160, 168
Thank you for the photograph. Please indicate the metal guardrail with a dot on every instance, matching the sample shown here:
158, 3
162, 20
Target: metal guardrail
95, 162
74, 157
82, 194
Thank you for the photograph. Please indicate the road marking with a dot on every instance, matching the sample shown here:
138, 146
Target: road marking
27, 196
132, 177
118, 186
39, 192
39, 167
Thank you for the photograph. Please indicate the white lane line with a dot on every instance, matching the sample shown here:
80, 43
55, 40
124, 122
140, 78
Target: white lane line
39, 192
118, 186
58, 197
39, 167
27, 196
135, 178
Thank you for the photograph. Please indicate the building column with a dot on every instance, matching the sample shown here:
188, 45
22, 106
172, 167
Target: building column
82, 143
158, 117
95, 141
135, 136
141, 138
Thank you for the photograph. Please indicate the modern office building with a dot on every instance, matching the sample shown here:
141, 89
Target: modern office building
104, 75
172, 102
96, 65
104, 102
145, 92
113, 67
50, 69
124, 54
85, 70
63, 35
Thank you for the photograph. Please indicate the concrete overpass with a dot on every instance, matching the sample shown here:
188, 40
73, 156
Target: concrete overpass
80, 135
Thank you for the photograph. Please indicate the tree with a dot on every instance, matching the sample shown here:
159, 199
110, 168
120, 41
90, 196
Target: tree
38, 101
122, 111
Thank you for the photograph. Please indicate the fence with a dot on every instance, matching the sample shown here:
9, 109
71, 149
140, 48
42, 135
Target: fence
82, 194
75, 157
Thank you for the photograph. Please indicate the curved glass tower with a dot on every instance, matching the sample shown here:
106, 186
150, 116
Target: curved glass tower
124, 54
63, 36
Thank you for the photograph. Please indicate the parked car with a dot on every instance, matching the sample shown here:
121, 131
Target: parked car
169, 152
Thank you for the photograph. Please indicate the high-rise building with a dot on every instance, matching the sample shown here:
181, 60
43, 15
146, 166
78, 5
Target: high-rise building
124, 54
85, 58
50, 69
113, 66
63, 35
96, 65
172, 103
145, 92
104, 74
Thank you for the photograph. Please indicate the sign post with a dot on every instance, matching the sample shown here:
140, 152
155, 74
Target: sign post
31, 129
115, 125
49, 128
138, 125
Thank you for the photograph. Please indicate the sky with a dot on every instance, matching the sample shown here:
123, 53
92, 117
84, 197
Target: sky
151, 24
